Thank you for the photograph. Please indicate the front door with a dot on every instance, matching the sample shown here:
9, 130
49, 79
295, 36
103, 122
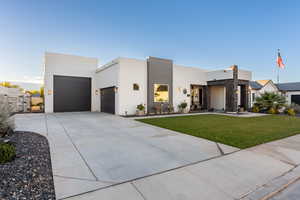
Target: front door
196, 97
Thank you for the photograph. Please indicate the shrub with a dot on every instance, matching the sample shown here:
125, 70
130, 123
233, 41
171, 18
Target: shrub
291, 112
140, 107
255, 109
270, 100
296, 107
182, 106
6, 122
7, 152
273, 111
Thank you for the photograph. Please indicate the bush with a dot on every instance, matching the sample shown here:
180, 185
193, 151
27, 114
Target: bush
140, 107
270, 100
182, 106
255, 109
290, 112
271, 111
7, 152
6, 123
296, 107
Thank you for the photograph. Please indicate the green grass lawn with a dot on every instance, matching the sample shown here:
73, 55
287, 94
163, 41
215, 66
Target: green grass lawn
235, 131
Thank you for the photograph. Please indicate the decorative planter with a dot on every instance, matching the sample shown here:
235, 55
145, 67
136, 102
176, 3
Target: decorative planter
185, 111
140, 112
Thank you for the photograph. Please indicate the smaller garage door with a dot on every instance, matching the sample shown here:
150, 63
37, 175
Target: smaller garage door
108, 100
296, 99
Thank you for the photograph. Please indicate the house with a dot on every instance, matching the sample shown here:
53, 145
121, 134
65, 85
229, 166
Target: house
291, 91
259, 87
16, 98
75, 83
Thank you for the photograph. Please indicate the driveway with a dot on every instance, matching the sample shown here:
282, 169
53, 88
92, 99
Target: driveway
90, 151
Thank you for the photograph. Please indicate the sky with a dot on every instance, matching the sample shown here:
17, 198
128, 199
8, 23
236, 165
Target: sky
207, 34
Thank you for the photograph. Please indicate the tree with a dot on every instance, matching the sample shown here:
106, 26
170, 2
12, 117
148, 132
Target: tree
42, 91
9, 85
269, 100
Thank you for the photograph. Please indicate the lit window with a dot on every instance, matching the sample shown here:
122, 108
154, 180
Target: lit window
136, 86
161, 93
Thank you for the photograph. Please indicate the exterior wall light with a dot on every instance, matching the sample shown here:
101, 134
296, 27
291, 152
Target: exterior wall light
116, 89
50, 92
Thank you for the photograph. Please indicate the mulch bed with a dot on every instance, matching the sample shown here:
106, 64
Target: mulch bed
29, 176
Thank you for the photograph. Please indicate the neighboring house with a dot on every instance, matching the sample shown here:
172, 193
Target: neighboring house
259, 87
17, 99
291, 91
75, 83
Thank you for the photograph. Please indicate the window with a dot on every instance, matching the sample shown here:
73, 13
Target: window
161, 93
136, 86
253, 97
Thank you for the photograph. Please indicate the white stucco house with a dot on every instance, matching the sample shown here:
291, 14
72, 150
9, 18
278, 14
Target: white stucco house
76, 83
290, 90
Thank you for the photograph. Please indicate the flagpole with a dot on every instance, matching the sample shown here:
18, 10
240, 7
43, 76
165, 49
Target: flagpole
277, 75
278, 68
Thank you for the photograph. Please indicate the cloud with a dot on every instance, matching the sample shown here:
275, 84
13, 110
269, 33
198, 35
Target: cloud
28, 79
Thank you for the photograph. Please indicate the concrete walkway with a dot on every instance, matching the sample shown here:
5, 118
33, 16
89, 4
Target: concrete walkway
99, 156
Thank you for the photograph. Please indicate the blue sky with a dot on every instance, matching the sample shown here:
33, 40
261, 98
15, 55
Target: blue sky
207, 34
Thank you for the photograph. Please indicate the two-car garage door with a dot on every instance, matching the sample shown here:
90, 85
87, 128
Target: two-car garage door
71, 94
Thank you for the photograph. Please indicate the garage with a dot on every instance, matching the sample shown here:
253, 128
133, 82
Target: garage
295, 99
108, 100
71, 94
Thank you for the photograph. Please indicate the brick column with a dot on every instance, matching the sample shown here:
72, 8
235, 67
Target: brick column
235, 88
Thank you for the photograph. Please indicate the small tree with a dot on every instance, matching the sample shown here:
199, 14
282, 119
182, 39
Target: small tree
269, 100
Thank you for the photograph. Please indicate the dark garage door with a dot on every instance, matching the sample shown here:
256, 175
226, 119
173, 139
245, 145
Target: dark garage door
296, 99
72, 94
108, 100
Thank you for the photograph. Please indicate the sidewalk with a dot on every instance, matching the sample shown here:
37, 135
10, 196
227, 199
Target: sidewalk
241, 175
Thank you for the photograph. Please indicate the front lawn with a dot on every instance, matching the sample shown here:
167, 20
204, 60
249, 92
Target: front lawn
235, 131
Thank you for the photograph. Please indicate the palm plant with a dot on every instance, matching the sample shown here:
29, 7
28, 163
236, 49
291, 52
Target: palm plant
6, 122
269, 100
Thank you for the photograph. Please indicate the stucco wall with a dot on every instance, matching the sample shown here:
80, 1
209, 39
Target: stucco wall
67, 65
108, 77
219, 74
183, 78
132, 71
244, 74
217, 97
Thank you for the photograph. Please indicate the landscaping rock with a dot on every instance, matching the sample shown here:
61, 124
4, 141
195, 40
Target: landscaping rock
29, 176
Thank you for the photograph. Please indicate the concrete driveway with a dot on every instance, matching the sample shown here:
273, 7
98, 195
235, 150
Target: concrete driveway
90, 151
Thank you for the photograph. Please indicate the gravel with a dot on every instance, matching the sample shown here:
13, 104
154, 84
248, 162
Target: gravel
29, 176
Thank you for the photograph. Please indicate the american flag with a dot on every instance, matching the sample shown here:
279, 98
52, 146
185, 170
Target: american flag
279, 61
